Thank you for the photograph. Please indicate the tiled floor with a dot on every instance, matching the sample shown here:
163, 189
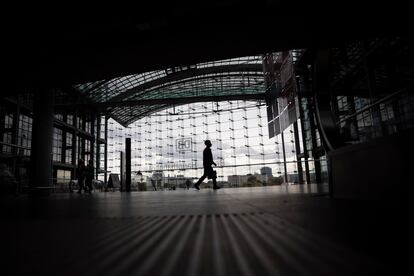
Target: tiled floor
286, 230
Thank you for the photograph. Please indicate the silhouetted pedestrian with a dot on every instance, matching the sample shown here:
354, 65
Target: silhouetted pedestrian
8, 184
188, 184
89, 173
154, 186
208, 170
80, 174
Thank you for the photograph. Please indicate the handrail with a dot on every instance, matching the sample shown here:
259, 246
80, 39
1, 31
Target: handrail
374, 104
14, 145
227, 166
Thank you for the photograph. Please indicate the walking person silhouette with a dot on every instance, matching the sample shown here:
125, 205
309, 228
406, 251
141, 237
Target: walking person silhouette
208, 170
80, 174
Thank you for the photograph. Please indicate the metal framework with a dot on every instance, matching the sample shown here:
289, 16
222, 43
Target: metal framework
238, 130
127, 99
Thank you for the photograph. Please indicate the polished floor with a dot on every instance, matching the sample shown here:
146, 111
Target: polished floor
279, 230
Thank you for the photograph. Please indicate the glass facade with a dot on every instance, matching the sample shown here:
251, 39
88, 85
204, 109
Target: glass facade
170, 138
69, 143
172, 141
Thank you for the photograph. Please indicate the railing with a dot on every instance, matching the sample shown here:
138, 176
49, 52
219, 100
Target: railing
388, 115
20, 153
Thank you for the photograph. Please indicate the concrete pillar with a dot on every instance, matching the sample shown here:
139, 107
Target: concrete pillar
98, 146
17, 152
42, 142
92, 119
106, 150
15, 136
128, 164
74, 145
122, 171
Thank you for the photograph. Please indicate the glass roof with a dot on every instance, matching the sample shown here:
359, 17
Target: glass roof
237, 76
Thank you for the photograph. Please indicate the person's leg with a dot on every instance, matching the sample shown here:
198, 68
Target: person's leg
215, 187
80, 184
89, 185
197, 185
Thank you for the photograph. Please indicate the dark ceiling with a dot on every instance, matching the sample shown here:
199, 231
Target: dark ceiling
66, 45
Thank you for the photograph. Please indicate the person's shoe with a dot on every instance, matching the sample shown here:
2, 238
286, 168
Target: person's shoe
216, 187
197, 186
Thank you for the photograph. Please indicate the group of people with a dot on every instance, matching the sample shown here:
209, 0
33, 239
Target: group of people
85, 175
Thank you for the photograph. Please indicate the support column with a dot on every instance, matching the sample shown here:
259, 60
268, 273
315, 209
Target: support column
75, 146
106, 151
42, 142
128, 164
93, 140
298, 152
284, 156
17, 152
315, 155
98, 146
305, 148
370, 73
15, 135
322, 101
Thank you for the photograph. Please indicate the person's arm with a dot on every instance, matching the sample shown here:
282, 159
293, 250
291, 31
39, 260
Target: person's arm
211, 159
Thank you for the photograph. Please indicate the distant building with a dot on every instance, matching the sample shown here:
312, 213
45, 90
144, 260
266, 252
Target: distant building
243, 180
266, 171
237, 180
178, 181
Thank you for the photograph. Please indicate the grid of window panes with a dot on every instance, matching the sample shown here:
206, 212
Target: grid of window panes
290, 151
104, 90
7, 132
102, 146
79, 122
217, 84
232, 61
102, 156
80, 148
59, 116
87, 150
62, 179
57, 144
69, 119
25, 133
324, 169
307, 131
383, 119
68, 150
172, 141
237, 80
88, 125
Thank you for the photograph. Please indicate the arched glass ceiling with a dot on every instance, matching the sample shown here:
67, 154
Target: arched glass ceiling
231, 77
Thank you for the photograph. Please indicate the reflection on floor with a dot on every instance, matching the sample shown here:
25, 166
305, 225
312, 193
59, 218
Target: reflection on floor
285, 230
